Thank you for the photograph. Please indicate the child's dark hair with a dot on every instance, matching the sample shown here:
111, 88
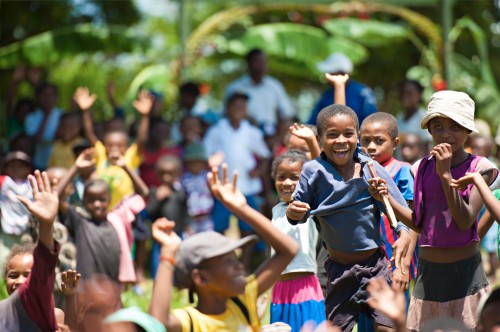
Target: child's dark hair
388, 120
290, 156
415, 84
331, 111
95, 182
253, 52
45, 85
235, 96
17, 249
190, 88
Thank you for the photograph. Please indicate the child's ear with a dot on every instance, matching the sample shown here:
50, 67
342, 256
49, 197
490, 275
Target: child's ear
198, 277
395, 143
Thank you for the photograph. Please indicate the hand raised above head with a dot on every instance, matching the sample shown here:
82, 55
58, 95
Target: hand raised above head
224, 190
302, 131
144, 102
45, 198
335, 79
84, 99
86, 159
69, 282
162, 231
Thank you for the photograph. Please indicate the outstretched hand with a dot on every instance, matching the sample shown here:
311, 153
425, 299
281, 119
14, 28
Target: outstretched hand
467, 179
86, 159
144, 102
302, 132
386, 300
224, 190
337, 79
162, 231
45, 198
69, 282
84, 99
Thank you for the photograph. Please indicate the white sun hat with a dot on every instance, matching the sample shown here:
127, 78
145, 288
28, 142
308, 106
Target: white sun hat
336, 63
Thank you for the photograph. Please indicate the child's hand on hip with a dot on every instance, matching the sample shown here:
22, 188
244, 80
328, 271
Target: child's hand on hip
296, 210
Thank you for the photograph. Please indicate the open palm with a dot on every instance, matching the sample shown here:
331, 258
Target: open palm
83, 98
224, 190
45, 199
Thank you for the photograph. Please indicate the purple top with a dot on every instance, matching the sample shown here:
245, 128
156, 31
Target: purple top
431, 212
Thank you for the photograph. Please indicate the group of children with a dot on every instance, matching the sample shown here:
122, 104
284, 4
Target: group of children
330, 205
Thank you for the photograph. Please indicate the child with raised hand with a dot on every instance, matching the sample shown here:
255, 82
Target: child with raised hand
303, 138
451, 279
297, 297
116, 142
206, 264
103, 240
67, 319
30, 270
334, 189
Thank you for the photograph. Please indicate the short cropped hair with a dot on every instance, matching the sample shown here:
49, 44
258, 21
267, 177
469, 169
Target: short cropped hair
94, 182
291, 156
253, 52
17, 249
390, 122
190, 88
331, 111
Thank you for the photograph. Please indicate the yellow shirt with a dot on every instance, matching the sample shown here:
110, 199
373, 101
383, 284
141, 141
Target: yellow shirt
118, 180
231, 320
62, 154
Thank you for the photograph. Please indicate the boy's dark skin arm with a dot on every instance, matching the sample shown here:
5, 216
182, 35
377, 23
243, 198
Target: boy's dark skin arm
85, 100
338, 81
286, 248
143, 105
485, 224
163, 232
140, 187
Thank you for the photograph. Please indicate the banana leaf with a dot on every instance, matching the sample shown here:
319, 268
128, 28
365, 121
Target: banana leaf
52, 46
369, 33
301, 43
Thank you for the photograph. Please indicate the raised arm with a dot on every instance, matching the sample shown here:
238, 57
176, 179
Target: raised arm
69, 286
286, 248
36, 292
163, 232
338, 83
305, 133
143, 105
85, 100
140, 187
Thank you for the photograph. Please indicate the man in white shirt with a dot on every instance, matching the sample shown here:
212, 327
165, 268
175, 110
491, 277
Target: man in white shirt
268, 101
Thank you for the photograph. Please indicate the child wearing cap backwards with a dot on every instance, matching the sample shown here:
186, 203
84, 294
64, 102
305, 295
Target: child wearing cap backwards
206, 264
14, 219
334, 189
451, 279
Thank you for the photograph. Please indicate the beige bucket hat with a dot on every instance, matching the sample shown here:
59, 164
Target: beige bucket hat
455, 105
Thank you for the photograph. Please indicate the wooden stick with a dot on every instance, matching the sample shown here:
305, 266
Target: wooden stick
385, 199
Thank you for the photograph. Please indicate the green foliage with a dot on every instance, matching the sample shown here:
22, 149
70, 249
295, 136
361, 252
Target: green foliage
370, 33
52, 46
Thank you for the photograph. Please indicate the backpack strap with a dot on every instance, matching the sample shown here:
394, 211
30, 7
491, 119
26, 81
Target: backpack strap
243, 309
191, 327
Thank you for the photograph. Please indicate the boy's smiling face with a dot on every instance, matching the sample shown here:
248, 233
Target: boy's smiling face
375, 138
96, 200
116, 141
339, 139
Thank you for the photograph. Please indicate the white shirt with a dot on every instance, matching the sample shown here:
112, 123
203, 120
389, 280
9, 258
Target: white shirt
14, 215
267, 100
412, 125
240, 147
306, 236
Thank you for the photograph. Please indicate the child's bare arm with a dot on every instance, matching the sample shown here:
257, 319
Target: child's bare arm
85, 100
491, 202
286, 248
377, 188
163, 232
485, 224
44, 206
69, 286
143, 105
305, 133
140, 187
463, 213
338, 82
